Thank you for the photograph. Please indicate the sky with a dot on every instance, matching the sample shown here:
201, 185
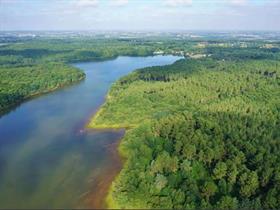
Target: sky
140, 15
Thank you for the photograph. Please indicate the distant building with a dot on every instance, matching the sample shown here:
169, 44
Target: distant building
196, 56
159, 52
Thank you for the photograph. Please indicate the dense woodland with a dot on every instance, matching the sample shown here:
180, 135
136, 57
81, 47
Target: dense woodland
19, 83
203, 134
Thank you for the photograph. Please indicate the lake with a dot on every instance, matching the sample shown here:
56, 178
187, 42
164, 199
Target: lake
47, 158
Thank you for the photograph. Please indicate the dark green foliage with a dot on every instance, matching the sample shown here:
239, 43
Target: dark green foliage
232, 177
70, 50
243, 53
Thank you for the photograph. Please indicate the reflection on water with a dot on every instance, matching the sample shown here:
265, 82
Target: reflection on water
47, 160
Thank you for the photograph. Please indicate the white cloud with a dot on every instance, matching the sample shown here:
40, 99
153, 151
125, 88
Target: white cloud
238, 2
119, 2
95, 3
86, 3
6, 1
176, 3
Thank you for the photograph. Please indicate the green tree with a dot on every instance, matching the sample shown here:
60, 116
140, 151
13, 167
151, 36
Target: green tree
208, 189
248, 183
227, 202
220, 170
160, 181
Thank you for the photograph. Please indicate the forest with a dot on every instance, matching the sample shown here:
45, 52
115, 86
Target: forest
20, 83
202, 133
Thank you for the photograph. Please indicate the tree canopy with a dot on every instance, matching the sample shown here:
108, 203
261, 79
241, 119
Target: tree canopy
203, 134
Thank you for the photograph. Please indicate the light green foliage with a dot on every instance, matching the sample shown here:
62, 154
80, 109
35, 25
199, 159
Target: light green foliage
227, 202
208, 189
249, 183
220, 170
160, 182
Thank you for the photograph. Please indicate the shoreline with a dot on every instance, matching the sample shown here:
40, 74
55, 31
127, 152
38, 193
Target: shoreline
90, 125
103, 200
97, 198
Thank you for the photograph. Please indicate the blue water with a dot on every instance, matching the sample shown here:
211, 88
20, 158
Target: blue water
47, 159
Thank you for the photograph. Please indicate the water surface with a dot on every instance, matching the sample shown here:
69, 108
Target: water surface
47, 159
